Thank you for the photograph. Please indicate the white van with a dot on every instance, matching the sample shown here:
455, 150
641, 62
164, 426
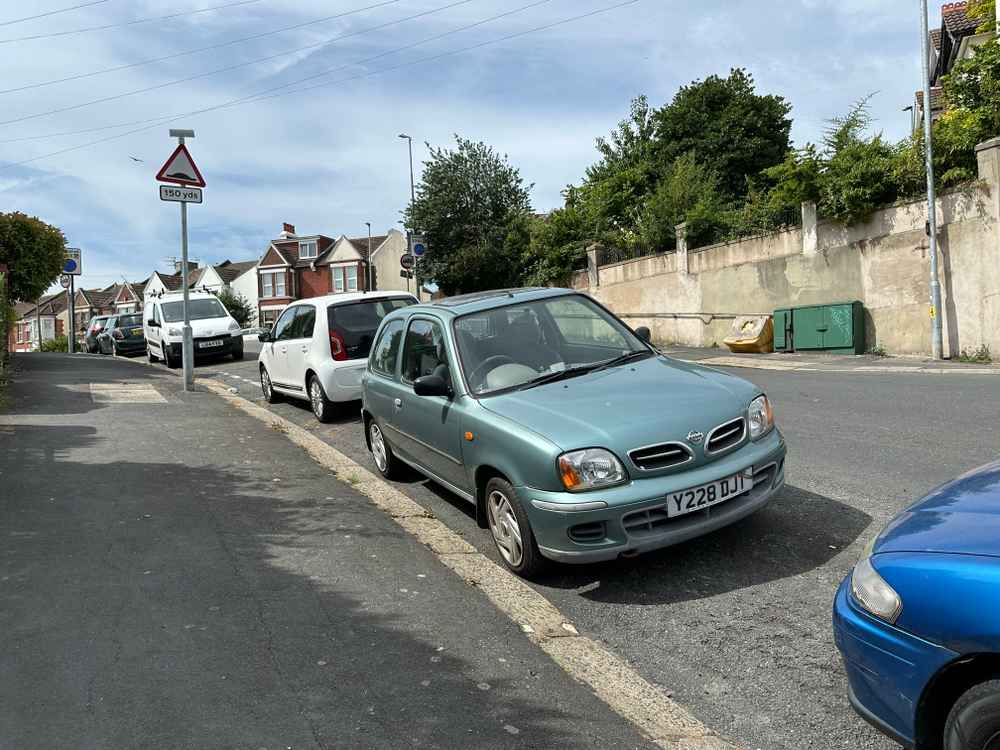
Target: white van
214, 330
318, 349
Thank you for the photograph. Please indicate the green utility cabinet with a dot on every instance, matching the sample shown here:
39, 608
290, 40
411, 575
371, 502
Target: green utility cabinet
834, 329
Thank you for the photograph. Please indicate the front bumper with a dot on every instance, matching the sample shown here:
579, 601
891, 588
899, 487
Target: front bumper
228, 345
552, 528
887, 668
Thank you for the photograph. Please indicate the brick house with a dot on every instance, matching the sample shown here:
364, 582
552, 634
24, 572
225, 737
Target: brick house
90, 302
299, 267
129, 298
43, 321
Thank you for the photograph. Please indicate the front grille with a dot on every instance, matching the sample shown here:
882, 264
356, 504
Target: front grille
726, 436
663, 456
645, 521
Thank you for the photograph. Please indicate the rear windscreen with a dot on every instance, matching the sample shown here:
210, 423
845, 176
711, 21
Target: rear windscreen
128, 321
357, 322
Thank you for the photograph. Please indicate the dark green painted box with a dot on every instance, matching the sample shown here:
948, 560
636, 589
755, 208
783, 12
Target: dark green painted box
834, 329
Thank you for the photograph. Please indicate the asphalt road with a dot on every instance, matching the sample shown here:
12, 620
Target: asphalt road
174, 574
737, 625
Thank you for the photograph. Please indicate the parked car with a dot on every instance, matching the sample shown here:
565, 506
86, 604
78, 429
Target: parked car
574, 438
917, 621
318, 348
122, 335
94, 328
213, 329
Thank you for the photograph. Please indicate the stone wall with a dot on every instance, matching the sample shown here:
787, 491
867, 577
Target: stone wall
692, 296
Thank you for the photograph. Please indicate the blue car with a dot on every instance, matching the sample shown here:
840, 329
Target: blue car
918, 620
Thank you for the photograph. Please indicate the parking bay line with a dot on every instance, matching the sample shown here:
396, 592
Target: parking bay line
661, 719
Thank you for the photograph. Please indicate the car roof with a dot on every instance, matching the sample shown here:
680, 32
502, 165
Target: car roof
344, 299
480, 301
175, 296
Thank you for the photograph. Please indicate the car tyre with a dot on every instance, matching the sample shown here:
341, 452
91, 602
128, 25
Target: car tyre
169, 361
387, 464
268, 387
323, 408
511, 529
974, 720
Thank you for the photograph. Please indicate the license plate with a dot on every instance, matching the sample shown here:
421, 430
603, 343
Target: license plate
137, 332
209, 344
699, 498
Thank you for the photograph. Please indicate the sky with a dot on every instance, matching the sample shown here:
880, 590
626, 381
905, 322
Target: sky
323, 153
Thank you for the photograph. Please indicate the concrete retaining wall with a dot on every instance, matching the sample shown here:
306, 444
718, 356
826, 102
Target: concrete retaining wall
691, 297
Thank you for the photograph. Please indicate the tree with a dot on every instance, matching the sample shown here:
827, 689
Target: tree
34, 253
473, 207
725, 123
690, 193
986, 11
238, 306
557, 246
974, 84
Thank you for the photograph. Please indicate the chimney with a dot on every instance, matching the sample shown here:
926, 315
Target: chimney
287, 230
179, 264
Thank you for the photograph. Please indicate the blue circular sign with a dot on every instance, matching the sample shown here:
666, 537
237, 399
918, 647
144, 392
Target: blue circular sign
419, 249
70, 266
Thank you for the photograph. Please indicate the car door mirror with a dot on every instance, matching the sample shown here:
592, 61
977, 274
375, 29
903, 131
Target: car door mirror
265, 337
152, 323
431, 385
643, 333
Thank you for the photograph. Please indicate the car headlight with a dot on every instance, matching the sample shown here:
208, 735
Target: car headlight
590, 469
174, 332
761, 417
234, 326
872, 592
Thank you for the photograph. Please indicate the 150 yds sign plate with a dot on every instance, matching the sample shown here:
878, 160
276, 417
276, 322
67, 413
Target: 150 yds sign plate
699, 498
180, 194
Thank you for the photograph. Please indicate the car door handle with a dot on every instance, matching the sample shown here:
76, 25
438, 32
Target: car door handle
284, 349
305, 349
398, 403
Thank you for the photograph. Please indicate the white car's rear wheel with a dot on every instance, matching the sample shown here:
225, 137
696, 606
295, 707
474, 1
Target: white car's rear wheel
323, 408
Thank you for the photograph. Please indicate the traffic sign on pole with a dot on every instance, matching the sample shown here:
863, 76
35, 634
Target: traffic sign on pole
72, 264
418, 245
180, 168
408, 262
64, 280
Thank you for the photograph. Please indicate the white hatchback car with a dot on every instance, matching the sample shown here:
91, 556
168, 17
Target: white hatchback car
318, 349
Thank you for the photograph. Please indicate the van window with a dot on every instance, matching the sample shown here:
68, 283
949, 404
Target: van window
198, 309
356, 322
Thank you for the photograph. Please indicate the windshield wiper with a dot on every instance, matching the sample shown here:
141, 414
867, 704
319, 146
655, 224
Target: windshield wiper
555, 377
644, 353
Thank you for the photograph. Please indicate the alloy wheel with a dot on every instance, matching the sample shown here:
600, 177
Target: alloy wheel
378, 447
505, 528
316, 397
265, 384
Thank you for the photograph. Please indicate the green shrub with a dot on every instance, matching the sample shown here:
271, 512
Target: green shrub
58, 344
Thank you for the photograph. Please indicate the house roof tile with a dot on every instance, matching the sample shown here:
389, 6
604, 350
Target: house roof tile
229, 272
954, 17
937, 99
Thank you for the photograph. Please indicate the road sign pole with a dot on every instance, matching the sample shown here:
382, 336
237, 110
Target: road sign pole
187, 346
72, 316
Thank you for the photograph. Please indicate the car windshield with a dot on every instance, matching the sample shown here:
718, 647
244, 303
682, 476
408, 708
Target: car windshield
519, 345
198, 309
127, 321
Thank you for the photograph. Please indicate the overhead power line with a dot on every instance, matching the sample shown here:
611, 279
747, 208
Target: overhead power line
236, 66
52, 12
220, 45
260, 96
133, 22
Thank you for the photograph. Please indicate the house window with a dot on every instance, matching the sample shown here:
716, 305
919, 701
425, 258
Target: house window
345, 279
273, 284
307, 250
267, 317
20, 334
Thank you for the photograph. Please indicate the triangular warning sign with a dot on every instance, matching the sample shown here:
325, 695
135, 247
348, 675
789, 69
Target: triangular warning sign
180, 168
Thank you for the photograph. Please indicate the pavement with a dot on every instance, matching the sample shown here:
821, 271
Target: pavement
736, 626
174, 574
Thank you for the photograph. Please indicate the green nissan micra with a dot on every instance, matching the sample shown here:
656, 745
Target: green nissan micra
575, 439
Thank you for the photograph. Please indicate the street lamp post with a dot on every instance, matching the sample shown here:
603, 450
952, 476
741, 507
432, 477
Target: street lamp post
413, 200
368, 268
937, 346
